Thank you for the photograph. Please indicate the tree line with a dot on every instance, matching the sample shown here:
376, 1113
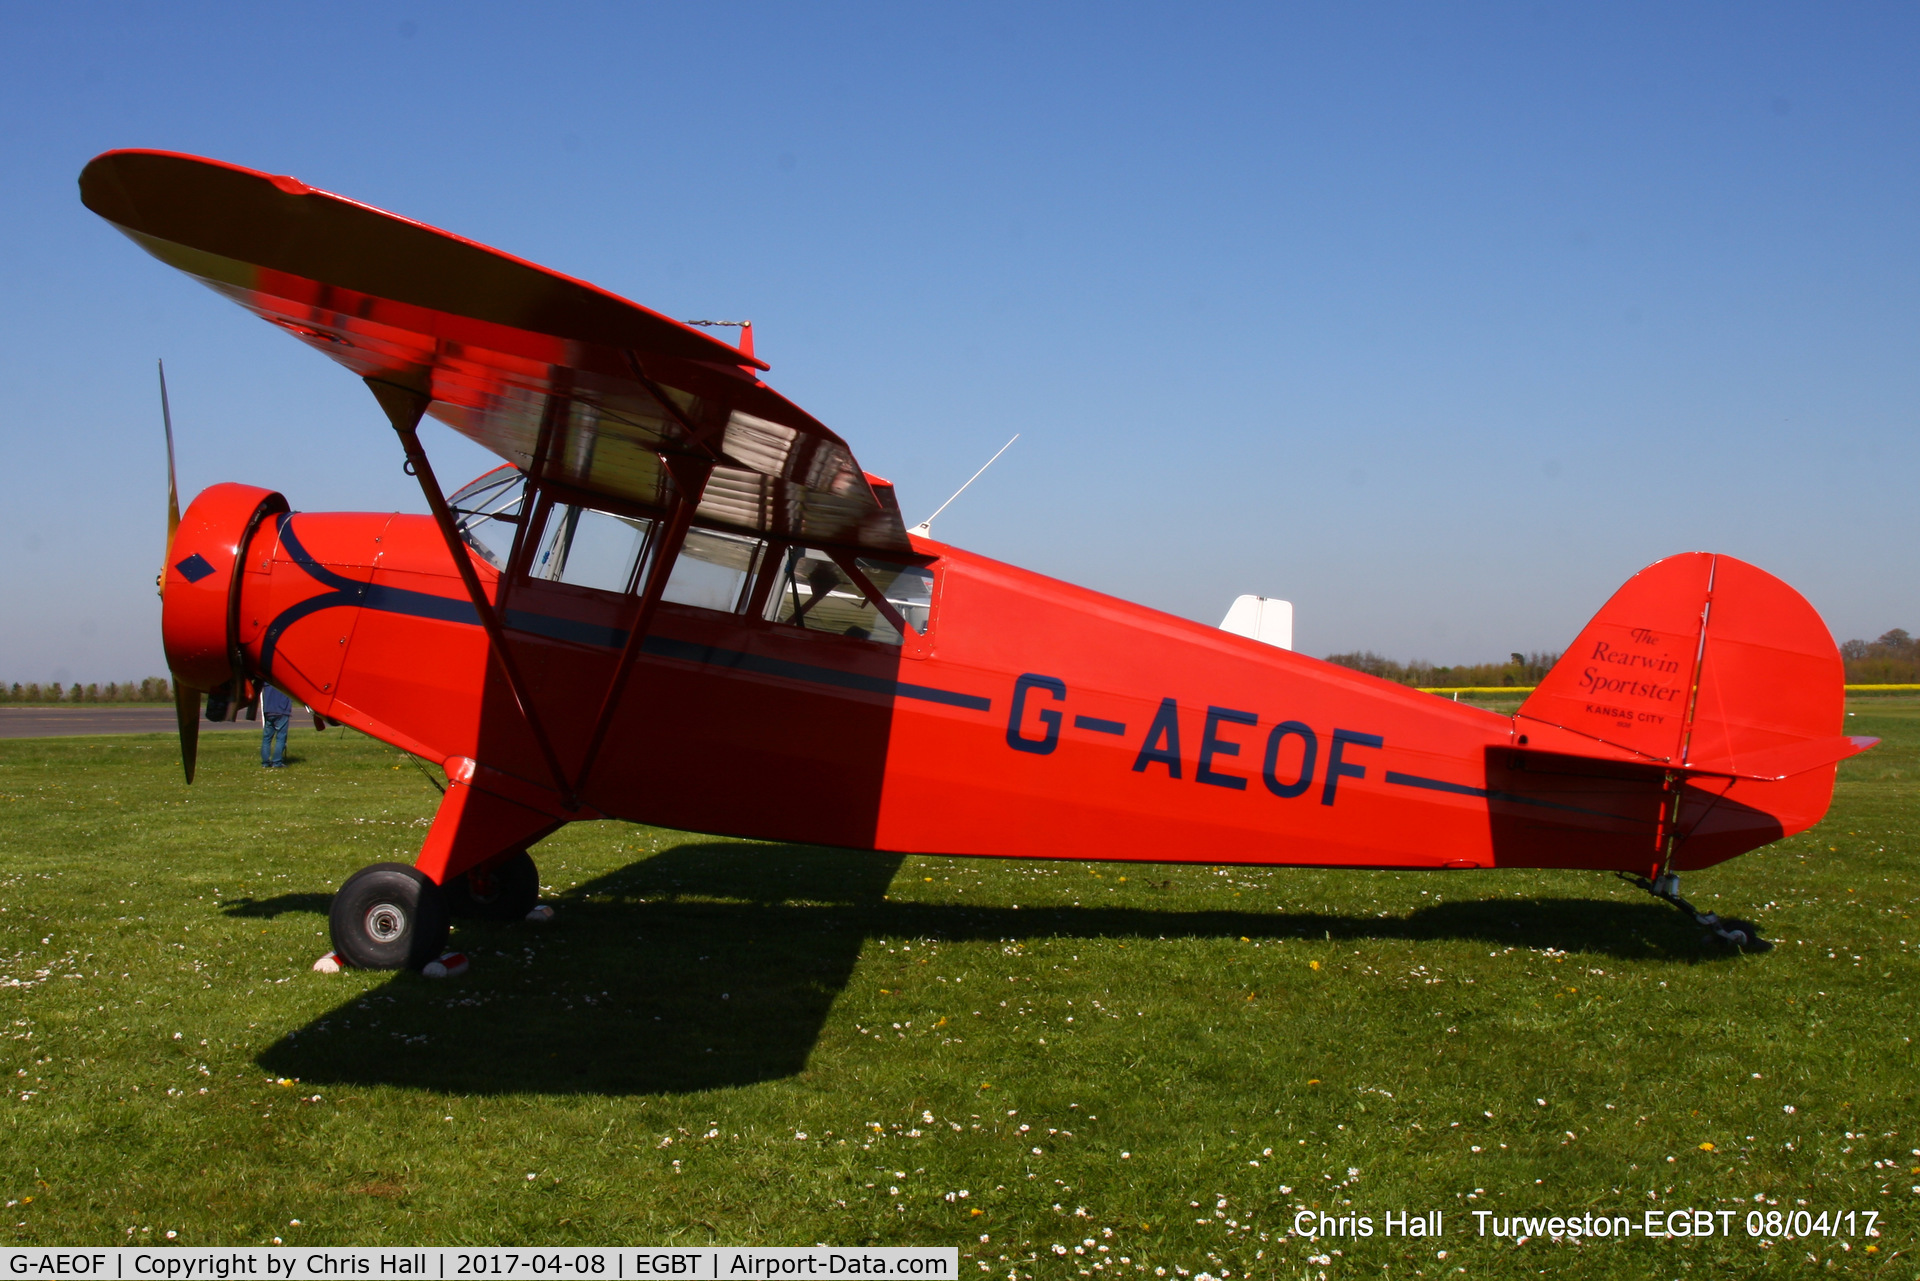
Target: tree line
1894, 659
1519, 669
154, 689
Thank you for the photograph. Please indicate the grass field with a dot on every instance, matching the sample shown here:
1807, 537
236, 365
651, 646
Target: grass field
734, 1043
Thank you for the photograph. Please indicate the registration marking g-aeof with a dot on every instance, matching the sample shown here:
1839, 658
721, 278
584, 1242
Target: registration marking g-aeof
419, 1263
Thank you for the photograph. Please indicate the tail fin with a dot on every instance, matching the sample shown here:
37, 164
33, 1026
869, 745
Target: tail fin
1626, 683
1701, 663
1717, 671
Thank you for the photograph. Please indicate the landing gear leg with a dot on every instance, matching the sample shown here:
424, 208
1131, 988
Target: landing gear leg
1666, 888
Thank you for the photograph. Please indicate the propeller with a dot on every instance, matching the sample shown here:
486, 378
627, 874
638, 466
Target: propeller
186, 701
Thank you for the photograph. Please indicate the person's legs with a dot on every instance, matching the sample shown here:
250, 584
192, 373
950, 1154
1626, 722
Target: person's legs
277, 729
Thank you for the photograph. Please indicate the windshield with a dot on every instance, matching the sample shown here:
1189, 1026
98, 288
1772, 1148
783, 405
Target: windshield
487, 513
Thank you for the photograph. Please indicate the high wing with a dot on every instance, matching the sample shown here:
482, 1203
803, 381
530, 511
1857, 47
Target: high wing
515, 357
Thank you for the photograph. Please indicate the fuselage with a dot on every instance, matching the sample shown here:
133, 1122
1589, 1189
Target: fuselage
1029, 718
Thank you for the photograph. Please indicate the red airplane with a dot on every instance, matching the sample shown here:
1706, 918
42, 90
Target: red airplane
681, 602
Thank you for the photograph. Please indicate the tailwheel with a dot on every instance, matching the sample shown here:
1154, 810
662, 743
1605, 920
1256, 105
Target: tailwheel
504, 891
388, 917
1744, 935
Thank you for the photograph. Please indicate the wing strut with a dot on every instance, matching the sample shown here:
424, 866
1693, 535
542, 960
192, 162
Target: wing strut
405, 407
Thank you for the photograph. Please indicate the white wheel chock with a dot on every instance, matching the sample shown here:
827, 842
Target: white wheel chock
448, 965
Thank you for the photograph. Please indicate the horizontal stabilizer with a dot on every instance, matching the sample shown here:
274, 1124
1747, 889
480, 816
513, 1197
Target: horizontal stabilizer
1787, 759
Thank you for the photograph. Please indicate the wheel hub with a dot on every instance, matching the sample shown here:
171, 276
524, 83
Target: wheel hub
386, 922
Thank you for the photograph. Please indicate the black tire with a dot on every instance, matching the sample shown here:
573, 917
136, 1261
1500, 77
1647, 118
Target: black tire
388, 917
507, 891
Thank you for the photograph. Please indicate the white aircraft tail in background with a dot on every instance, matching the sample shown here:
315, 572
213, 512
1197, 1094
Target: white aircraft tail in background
1262, 618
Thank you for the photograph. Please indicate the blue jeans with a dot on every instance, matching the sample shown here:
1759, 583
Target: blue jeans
273, 741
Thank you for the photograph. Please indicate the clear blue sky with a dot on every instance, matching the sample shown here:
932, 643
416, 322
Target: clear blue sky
1439, 321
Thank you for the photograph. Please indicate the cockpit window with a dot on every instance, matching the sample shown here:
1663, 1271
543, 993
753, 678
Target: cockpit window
908, 588
817, 593
487, 513
714, 570
589, 548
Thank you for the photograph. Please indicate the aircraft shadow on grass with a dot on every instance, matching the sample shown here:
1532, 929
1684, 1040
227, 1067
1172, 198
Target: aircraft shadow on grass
715, 964
275, 906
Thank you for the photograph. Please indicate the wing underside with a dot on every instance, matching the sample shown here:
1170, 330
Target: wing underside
517, 358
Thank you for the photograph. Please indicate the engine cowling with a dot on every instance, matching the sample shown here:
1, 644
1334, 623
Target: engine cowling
199, 593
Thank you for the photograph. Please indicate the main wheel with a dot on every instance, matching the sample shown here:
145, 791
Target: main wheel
507, 891
388, 917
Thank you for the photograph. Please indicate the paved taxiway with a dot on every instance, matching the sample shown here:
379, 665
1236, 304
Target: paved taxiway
58, 722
